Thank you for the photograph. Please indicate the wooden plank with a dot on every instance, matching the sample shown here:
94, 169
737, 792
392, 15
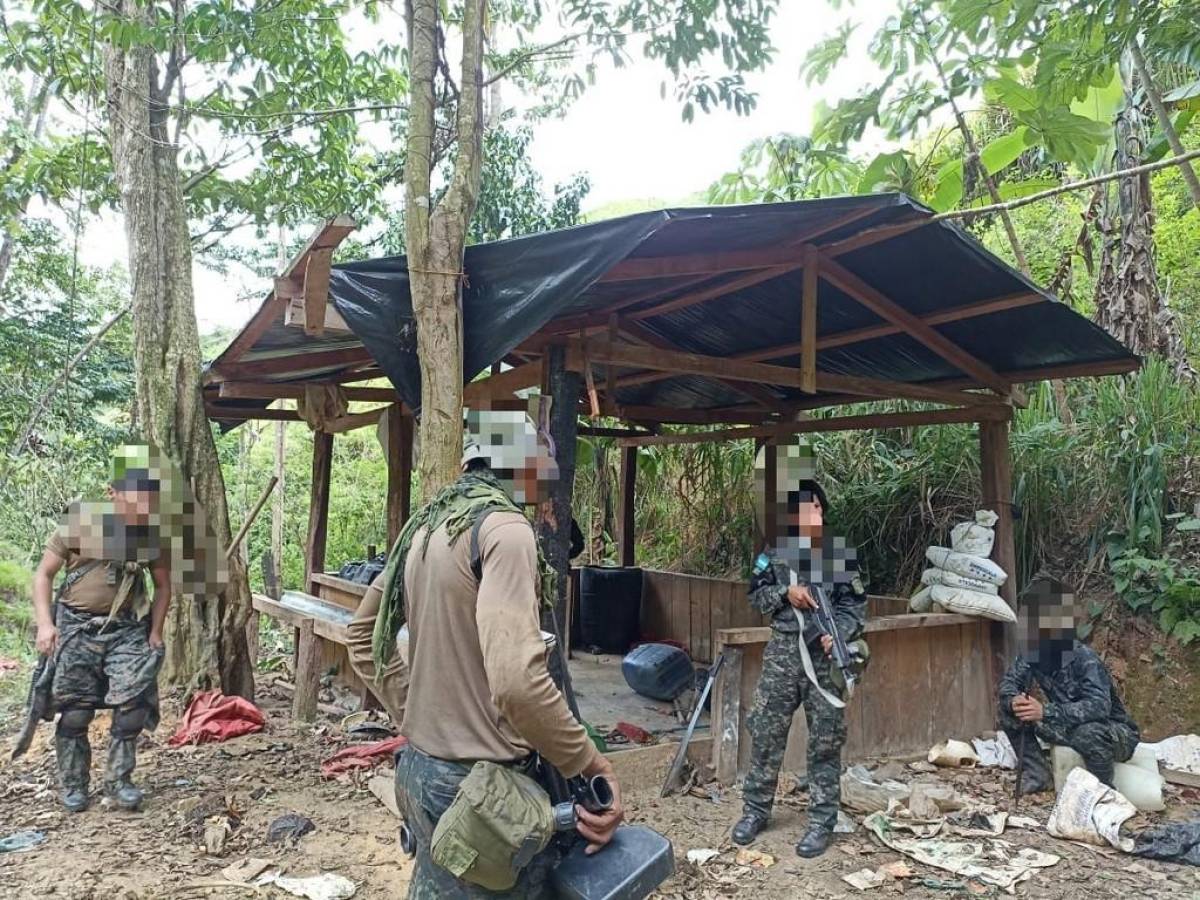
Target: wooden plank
339, 584
656, 605
884, 307
293, 364
873, 236
219, 413
266, 390
295, 315
719, 612
947, 687
701, 625
681, 610
752, 666
316, 289
318, 510
597, 320
808, 322
505, 384
308, 674
995, 466
703, 295
399, 471
626, 535
727, 716
354, 421
975, 675
740, 635
834, 423
641, 268
268, 314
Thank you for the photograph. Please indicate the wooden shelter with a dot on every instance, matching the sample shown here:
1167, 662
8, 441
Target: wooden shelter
746, 321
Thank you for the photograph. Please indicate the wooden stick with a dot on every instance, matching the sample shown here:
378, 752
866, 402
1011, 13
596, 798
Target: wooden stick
237, 538
808, 322
994, 413
593, 399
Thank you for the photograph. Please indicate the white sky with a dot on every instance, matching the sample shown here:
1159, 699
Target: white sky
631, 142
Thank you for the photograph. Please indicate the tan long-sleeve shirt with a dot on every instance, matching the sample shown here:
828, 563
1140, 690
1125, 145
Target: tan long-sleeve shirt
479, 687
389, 685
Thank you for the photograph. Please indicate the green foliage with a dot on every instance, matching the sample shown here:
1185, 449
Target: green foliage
1163, 587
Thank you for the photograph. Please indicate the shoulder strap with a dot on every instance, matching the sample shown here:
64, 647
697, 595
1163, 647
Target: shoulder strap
476, 554
74, 575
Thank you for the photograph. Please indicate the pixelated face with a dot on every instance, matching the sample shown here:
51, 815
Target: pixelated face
808, 516
135, 504
1049, 614
793, 463
521, 456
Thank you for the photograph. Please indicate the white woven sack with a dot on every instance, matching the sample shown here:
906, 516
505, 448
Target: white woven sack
966, 565
931, 577
972, 603
975, 538
920, 601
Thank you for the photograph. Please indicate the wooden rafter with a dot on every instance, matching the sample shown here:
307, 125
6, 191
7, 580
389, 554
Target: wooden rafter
703, 295
316, 289
503, 385
348, 422
872, 298
808, 323
295, 314
255, 390
290, 364
836, 423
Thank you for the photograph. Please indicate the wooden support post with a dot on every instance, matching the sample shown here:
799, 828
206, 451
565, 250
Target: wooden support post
625, 542
308, 673
808, 321
554, 515
995, 466
727, 724
318, 510
399, 471
770, 523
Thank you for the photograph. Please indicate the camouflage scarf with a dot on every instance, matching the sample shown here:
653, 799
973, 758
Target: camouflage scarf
457, 506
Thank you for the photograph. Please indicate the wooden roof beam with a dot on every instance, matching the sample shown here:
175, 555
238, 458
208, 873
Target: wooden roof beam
502, 385
258, 390
291, 364
872, 298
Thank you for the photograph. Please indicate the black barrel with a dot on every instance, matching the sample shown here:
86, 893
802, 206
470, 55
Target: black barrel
610, 607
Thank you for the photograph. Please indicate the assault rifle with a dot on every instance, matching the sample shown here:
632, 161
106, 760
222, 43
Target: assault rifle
843, 657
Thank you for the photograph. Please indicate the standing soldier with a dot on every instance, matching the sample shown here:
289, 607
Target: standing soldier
466, 576
99, 647
792, 677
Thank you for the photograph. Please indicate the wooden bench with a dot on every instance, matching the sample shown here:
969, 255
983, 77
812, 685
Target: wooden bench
318, 624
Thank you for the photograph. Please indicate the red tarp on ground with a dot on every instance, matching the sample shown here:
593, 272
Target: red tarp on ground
212, 717
360, 756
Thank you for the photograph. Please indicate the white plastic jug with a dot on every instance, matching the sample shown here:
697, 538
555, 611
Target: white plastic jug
1138, 780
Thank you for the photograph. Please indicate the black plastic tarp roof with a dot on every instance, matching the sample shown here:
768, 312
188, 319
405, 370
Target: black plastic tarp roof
516, 287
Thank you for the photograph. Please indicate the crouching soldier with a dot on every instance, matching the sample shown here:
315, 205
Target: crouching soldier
797, 669
98, 647
1081, 709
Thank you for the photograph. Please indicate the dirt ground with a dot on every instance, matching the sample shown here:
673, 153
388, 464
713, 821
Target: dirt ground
249, 781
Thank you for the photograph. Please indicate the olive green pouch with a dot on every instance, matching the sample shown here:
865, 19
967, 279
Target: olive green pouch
499, 821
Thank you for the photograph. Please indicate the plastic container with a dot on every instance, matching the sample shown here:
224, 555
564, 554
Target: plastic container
1137, 780
659, 671
610, 608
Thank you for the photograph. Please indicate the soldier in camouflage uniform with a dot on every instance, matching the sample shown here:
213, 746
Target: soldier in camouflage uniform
784, 686
1081, 709
98, 652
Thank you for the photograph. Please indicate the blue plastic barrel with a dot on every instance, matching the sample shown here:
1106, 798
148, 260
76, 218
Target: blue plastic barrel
659, 671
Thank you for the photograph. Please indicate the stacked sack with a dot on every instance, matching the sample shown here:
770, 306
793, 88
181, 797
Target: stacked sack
961, 578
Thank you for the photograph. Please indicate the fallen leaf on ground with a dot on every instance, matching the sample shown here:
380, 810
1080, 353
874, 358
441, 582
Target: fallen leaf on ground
754, 859
864, 879
898, 869
245, 869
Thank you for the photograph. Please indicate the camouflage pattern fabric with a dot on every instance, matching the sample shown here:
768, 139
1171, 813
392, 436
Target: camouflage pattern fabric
782, 689
768, 595
1082, 710
105, 663
425, 788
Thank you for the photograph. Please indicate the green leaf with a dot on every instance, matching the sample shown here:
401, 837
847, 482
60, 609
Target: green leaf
1005, 150
1188, 525
949, 186
1186, 96
1010, 93
1103, 102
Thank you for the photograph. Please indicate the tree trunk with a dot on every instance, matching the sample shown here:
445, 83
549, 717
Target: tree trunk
435, 238
1164, 121
1129, 304
206, 639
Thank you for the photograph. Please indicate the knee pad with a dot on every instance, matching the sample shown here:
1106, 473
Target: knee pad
75, 722
128, 721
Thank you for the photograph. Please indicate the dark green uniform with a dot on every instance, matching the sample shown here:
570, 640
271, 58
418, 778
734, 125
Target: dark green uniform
1081, 710
783, 688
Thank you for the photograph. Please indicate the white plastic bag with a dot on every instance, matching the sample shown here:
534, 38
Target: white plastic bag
966, 565
920, 601
1091, 812
972, 603
975, 538
953, 579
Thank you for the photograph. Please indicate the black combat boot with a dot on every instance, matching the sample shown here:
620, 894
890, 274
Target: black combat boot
815, 841
74, 757
748, 828
122, 756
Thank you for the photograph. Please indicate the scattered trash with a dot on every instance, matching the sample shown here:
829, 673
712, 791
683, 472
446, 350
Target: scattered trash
993, 863
865, 879
997, 751
922, 766
211, 717
845, 824
929, 800
897, 870
361, 756
977, 823
754, 859
953, 754
633, 733
1177, 842
700, 857
1024, 822
1180, 758
1091, 812
246, 869
366, 724
289, 827
216, 832
1137, 780
319, 887
21, 841
383, 786
862, 793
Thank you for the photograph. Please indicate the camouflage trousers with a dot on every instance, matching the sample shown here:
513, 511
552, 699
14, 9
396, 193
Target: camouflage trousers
782, 689
102, 663
1101, 744
425, 788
